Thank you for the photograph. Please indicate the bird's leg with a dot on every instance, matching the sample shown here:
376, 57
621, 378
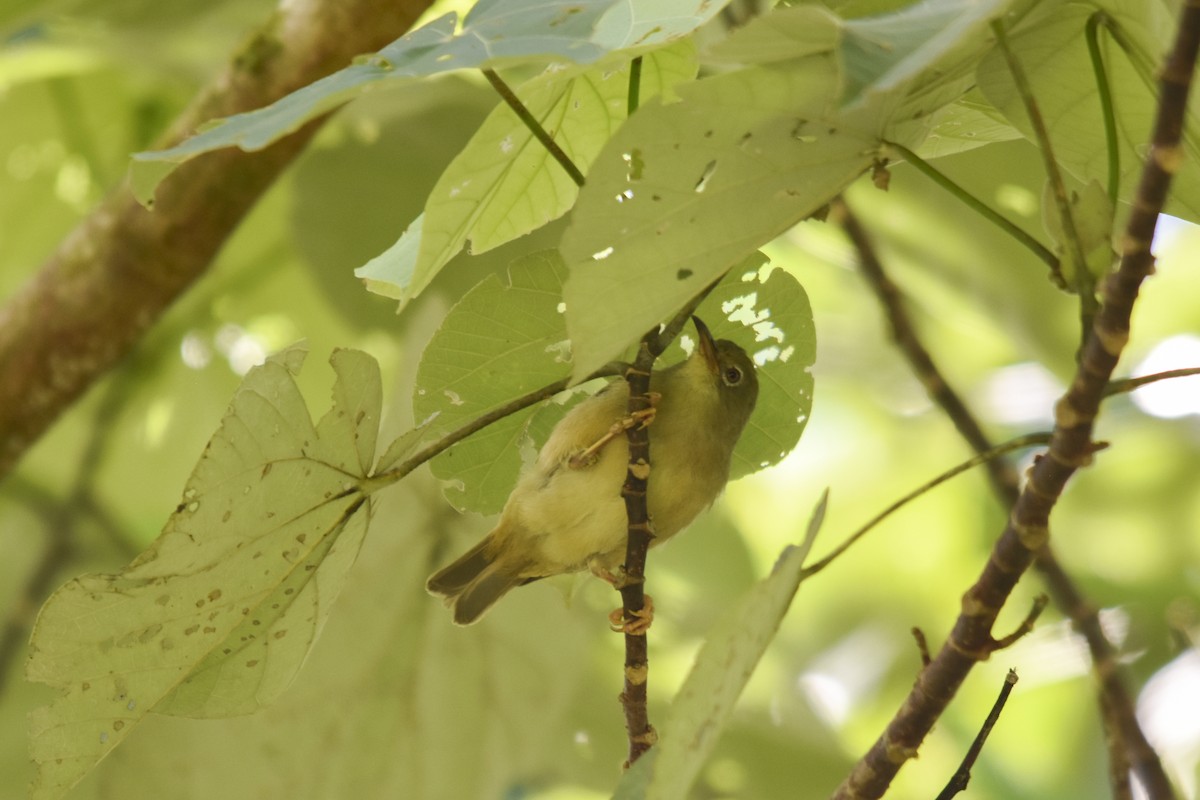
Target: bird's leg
636, 626
638, 419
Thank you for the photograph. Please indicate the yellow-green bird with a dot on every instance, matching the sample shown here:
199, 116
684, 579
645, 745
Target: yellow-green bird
566, 513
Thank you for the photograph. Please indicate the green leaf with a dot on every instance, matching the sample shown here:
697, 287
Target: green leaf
720, 673
495, 32
785, 34
685, 191
505, 184
1051, 46
216, 618
767, 312
498, 343
1093, 216
897, 52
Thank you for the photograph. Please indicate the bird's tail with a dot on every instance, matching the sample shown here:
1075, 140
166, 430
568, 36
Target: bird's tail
472, 583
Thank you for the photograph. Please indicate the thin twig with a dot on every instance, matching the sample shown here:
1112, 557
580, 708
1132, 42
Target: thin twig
1130, 384
1085, 284
962, 776
984, 210
1092, 34
1039, 605
535, 127
922, 646
1071, 448
479, 423
1114, 697
1021, 442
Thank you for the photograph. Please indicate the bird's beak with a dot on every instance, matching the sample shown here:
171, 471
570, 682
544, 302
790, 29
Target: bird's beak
706, 346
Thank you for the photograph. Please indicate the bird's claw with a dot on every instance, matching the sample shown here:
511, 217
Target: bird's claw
636, 626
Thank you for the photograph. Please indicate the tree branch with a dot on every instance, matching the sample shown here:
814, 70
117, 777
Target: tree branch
1113, 693
1070, 449
114, 276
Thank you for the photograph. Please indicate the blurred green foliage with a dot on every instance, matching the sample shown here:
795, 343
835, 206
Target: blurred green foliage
397, 702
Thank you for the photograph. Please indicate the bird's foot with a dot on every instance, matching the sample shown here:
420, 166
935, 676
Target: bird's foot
638, 419
636, 626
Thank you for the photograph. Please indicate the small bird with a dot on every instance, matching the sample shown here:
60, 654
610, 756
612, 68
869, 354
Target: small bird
566, 513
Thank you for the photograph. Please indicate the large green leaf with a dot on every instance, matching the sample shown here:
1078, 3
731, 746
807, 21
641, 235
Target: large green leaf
685, 191
499, 342
1051, 47
495, 32
719, 674
505, 184
216, 618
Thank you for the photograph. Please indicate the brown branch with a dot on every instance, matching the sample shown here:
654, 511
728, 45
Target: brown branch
1071, 448
533, 125
115, 275
1112, 689
633, 577
962, 776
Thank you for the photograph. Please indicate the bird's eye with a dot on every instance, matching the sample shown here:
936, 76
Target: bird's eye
732, 376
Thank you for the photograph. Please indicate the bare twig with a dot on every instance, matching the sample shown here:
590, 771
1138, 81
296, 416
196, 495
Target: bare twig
1039, 605
1018, 443
1070, 449
1127, 737
1130, 384
535, 127
114, 276
962, 776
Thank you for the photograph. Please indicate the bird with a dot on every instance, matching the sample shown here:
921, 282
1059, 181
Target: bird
566, 513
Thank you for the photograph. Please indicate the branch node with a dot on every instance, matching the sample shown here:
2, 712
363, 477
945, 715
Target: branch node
922, 646
1039, 605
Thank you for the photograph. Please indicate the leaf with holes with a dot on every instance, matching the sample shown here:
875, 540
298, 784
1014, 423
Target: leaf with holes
504, 183
684, 191
217, 616
498, 343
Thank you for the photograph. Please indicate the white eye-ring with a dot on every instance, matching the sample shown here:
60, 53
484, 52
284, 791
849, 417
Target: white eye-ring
732, 376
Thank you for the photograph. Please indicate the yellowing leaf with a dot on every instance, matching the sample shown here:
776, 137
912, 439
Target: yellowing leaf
215, 618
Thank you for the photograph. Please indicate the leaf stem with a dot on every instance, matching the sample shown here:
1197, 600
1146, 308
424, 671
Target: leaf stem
1085, 284
535, 127
1092, 34
983, 209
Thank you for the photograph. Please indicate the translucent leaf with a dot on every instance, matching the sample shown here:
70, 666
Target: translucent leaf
893, 52
498, 343
720, 672
1093, 216
505, 184
1052, 48
684, 191
217, 616
494, 32
785, 34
